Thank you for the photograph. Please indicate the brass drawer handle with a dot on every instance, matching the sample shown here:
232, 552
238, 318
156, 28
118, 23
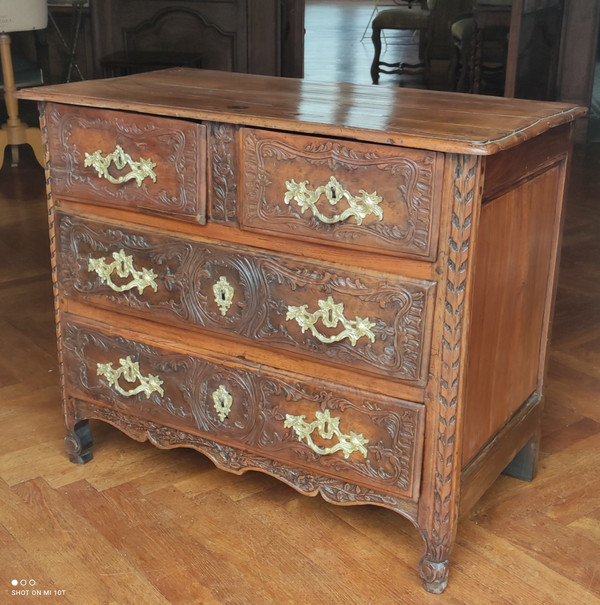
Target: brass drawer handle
122, 265
139, 170
223, 402
130, 371
359, 206
331, 314
328, 428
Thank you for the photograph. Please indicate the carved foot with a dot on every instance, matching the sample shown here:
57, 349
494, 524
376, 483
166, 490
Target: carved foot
78, 443
434, 574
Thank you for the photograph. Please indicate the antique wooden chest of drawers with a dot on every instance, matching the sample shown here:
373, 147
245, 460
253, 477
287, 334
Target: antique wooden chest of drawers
349, 288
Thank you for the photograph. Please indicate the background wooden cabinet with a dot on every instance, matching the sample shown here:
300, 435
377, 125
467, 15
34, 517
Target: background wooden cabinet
261, 36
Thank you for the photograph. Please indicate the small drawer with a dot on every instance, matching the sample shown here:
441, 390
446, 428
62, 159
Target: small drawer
378, 324
371, 197
135, 162
351, 435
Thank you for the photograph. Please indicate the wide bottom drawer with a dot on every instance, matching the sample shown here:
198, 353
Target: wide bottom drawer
333, 430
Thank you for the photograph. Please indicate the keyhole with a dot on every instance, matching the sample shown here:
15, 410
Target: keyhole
223, 298
333, 193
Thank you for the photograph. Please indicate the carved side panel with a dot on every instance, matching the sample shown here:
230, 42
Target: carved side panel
400, 222
182, 391
222, 170
177, 149
263, 289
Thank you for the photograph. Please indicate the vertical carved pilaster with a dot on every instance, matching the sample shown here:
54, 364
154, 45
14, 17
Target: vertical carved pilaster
222, 157
440, 528
78, 440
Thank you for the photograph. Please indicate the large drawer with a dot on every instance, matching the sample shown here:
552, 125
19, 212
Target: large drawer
349, 434
376, 323
345, 193
131, 161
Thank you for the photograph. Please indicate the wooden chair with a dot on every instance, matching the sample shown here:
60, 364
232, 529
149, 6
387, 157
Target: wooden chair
410, 18
376, 8
19, 15
480, 44
462, 29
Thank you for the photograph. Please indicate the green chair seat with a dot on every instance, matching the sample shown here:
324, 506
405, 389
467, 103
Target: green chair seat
402, 18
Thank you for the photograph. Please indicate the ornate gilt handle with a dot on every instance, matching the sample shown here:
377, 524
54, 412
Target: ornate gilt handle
122, 265
358, 206
130, 371
331, 314
139, 170
327, 428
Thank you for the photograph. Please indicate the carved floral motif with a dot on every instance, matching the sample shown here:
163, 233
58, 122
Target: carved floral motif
222, 152
389, 454
266, 286
271, 160
232, 459
174, 145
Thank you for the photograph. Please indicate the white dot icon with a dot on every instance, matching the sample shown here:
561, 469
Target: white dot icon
15, 582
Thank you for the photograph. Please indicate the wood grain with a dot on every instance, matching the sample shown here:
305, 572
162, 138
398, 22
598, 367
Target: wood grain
71, 528
248, 538
437, 121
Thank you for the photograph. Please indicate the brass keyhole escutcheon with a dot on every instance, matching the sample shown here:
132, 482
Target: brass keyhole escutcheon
222, 402
223, 293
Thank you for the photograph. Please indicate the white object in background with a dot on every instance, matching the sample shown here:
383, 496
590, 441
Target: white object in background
18, 15
22, 15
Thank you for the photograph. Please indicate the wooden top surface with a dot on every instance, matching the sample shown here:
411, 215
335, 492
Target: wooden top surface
439, 121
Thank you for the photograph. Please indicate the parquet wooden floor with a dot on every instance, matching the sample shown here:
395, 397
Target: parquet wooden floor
141, 526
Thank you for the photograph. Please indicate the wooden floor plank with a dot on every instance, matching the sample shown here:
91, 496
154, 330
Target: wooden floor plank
48, 546
540, 584
121, 580
313, 526
154, 551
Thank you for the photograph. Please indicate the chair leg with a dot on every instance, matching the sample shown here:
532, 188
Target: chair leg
376, 38
453, 69
373, 13
14, 132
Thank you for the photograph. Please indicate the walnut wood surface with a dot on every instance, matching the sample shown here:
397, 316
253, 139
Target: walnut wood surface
102, 531
139, 525
423, 119
405, 179
261, 401
460, 401
512, 287
265, 285
177, 148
